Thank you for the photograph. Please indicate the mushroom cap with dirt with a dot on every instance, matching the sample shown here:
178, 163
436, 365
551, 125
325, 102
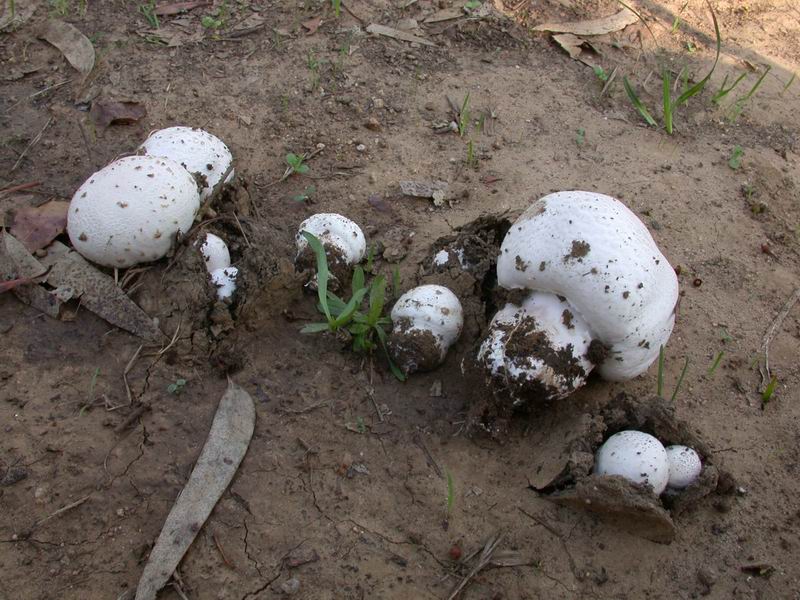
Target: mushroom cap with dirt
343, 240
198, 151
130, 211
426, 321
592, 255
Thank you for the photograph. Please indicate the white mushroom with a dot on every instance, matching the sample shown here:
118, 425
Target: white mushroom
225, 281
130, 211
196, 150
684, 466
215, 253
337, 233
542, 342
636, 456
426, 321
595, 253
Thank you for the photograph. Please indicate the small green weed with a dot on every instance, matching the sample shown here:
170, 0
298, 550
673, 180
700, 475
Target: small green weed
463, 117
148, 11
768, 392
361, 426
472, 159
367, 330
472, 4
313, 65
660, 380
735, 161
600, 73
177, 387
789, 83
723, 91
306, 193
580, 139
717, 360
738, 106
451, 494
337, 7
296, 163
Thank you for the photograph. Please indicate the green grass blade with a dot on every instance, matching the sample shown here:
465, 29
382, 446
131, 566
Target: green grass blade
322, 272
716, 362
789, 83
723, 91
667, 101
358, 279
698, 87
451, 493
350, 309
660, 380
680, 379
377, 296
638, 103
769, 391
315, 328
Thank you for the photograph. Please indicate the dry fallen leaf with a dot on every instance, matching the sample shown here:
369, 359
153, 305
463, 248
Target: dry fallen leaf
165, 10
75, 46
37, 226
312, 25
105, 114
396, 34
574, 46
608, 24
224, 450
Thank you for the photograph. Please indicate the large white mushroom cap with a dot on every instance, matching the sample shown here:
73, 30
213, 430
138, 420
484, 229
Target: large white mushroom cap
196, 150
636, 456
130, 211
540, 345
336, 231
432, 308
592, 250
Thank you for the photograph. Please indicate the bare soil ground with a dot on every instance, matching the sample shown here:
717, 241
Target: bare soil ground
350, 500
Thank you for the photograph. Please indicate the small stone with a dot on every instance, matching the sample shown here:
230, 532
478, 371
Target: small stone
291, 586
436, 389
320, 146
372, 124
361, 148
373, 178
378, 103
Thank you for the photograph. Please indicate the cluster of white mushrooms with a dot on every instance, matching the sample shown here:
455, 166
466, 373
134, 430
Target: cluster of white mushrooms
641, 458
132, 210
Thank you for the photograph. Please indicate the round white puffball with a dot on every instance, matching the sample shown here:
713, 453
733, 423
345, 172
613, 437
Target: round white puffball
129, 212
215, 253
636, 456
225, 281
196, 150
334, 230
684, 467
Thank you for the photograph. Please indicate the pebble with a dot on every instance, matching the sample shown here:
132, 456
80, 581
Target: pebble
373, 178
372, 124
361, 148
378, 103
291, 586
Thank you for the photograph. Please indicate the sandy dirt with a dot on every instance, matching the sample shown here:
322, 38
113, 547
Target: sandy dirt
344, 487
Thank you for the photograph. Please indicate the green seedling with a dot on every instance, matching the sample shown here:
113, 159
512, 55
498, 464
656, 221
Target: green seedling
472, 159
472, 4
725, 336
367, 329
313, 66
766, 395
305, 194
360, 425
690, 47
723, 91
600, 73
211, 22
296, 163
463, 117
660, 381
581, 137
148, 11
789, 83
717, 360
735, 161
177, 387
739, 105
337, 7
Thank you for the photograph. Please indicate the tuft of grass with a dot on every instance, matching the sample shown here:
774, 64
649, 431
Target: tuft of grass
148, 10
580, 139
740, 103
637, 103
766, 395
472, 158
367, 328
600, 73
723, 91
660, 380
735, 161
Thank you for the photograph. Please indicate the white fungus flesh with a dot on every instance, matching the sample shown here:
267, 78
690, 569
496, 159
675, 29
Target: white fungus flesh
684, 467
426, 321
130, 211
592, 250
334, 232
215, 253
225, 281
540, 345
636, 456
196, 150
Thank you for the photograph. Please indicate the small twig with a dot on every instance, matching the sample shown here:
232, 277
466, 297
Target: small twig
608, 81
549, 528
302, 411
244, 235
127, 370
132, 418
421, 445
222, 553
485, 559
174, 339
371, 393
766, 376
33, 142
19, 188
60, 511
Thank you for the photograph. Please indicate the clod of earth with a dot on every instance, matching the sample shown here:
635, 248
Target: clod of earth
202, 154
131, 211
599, 294
426, 321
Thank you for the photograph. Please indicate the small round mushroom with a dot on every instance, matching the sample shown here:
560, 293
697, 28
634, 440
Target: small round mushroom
342, 239
684, 466
592, 251
636, 456
225, 281
215, 253
198, 151
543, 343
130, 211
426, 321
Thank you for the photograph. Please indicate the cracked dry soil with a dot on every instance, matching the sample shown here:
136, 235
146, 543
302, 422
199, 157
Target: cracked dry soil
349, 501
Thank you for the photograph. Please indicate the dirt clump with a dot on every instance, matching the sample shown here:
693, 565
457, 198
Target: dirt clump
413, 349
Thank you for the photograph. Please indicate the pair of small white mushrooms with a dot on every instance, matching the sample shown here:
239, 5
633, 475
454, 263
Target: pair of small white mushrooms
426, 320
132, 210
641, 458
